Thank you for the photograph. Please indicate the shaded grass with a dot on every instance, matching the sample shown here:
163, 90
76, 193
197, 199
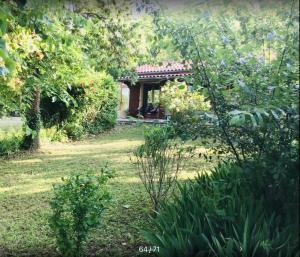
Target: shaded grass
26, 188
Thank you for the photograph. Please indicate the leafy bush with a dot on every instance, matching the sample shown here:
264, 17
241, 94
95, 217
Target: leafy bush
247, 69
74, 129
224, 214
10, 142
60, 55
184, 106
159, 160
177, 97
276, 182
249, 72
53, 134
101, 114
77, 206
89, 106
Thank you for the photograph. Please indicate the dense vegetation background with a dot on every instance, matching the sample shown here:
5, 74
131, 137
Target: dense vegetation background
59, 64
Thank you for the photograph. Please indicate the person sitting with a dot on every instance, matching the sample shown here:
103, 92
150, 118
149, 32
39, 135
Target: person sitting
151, 109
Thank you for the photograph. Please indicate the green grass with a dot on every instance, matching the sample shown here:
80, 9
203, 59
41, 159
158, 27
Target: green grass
26, 187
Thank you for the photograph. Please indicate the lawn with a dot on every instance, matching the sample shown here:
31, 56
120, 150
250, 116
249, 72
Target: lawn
26, 187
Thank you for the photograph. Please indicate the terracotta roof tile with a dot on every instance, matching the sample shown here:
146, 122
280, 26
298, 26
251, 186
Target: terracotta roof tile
167, 69
166, 66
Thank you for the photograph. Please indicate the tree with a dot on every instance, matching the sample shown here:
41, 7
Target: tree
246, 63
54, 46
6, 63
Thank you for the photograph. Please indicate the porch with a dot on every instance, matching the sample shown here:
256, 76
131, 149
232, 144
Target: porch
144, 95
144, 101
130, 121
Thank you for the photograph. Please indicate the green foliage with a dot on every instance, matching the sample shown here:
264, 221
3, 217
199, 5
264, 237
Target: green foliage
93, 108
10, 142
101, 111
159, 161
225, 213
246, 63
77, 206
6, 64
177, 97
53, 134
152, 48
184, 106
74, 130
55, 49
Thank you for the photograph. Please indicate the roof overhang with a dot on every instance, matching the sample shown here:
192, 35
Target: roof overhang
157, 76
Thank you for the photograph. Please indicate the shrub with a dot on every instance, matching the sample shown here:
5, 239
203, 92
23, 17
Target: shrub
184, 106
176, 97
101, 114
74, 129
159, 160
10, 142
220, 214
276, 182
253, 94
77, 206
89, 106
54, 134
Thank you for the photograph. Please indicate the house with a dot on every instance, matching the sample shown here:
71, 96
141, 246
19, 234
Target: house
143, 95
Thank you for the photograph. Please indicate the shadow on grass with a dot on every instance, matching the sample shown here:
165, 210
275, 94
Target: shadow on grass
26, 233
26, 183
39, 176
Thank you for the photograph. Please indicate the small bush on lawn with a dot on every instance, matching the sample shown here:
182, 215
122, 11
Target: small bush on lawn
77, 206
222, 215
10, 142
159, 160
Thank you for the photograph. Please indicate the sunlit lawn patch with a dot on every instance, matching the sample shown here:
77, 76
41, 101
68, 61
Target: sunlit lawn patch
25, 189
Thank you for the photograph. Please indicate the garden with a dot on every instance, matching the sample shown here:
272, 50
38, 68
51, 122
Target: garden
218, 176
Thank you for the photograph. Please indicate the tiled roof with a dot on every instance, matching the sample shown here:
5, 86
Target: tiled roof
167, 69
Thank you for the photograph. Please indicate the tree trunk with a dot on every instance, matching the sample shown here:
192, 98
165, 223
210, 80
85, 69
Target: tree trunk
33, 121
36, 144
